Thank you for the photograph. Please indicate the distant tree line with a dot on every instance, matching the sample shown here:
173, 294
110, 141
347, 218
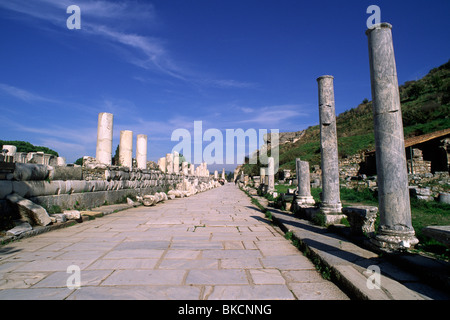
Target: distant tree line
23, 146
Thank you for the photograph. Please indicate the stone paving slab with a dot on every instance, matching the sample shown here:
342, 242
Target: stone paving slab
213, 245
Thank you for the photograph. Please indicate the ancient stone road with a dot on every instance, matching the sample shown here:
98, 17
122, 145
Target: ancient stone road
214, 245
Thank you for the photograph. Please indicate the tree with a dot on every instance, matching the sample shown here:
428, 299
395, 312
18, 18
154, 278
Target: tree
115, 159
79, 161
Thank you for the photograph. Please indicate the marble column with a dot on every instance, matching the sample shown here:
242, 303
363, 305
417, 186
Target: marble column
271, 174
176, 162
126, 149
184, 168
141, 151
331, 203
223, 173
104, 138
162, 164
304, 184
216, 174
395, 230
169, 163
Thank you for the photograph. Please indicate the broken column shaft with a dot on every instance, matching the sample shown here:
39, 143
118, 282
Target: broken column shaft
104, 138
126, 148
141, 151
304, 185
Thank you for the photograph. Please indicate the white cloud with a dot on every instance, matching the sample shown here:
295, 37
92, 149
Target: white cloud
273, 115
112, 20
23, 94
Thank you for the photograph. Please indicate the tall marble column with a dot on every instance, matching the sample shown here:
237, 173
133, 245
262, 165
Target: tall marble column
304, 183
271, 174
126, 148
141, 151
104, 138
395, 230
331, 203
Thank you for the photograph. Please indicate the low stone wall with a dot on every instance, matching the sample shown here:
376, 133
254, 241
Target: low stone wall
79, 187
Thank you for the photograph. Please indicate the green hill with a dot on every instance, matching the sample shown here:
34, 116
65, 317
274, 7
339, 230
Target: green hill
425, 108
23, 146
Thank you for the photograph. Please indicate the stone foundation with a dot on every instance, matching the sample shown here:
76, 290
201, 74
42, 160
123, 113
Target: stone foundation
85, 187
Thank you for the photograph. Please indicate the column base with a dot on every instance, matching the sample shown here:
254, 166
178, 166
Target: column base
391, 240
331, 208
332, 213
302, 200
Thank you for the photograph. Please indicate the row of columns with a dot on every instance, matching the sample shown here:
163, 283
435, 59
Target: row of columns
105, 144
395, 231
171, 164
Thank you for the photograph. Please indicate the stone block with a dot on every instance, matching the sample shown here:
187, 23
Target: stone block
444, 197
30, 211
30, 171
19, 229
67, 173
72, 214
439, 233
361, 219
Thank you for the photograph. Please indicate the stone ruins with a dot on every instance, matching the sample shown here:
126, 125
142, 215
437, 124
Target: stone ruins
393, 163
30, 183
29, 191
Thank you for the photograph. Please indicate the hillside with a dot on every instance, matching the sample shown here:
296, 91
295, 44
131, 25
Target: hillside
425, 108
23, 146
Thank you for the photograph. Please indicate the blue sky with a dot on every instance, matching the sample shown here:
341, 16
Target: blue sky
161, 65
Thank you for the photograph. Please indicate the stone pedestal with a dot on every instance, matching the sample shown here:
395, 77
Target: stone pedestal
395, 231
262, 174
104, 138
362, 219
141, 151
271, 174
331, 203
304, 186
126, 149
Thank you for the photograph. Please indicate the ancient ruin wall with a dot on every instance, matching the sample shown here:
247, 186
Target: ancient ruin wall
79, 187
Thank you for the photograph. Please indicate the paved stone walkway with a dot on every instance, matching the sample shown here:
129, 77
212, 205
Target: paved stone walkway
214, 245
